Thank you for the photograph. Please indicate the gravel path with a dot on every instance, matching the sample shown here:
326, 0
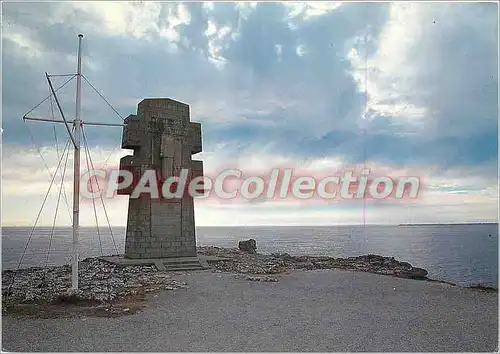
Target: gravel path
320, 310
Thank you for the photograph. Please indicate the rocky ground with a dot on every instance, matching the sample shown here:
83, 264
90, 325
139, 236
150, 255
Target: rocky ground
248, 263
104, 283
103, 286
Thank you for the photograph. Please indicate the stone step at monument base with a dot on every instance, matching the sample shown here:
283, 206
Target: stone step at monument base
163, 264
185, 263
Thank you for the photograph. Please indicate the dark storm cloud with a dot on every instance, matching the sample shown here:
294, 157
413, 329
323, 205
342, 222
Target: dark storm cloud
304, 105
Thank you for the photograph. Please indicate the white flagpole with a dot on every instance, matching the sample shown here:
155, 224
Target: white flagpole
76, 177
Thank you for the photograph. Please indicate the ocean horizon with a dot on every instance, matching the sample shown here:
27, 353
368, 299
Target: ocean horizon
465, 253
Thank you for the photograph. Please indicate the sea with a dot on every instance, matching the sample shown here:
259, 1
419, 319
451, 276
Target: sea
465, 254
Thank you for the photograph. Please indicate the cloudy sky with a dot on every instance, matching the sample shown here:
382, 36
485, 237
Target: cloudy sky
408, 89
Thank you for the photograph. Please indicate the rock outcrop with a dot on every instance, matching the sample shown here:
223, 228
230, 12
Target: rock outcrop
249, 246
250, 263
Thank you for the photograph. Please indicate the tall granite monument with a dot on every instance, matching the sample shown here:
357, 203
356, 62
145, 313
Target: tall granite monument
163, 139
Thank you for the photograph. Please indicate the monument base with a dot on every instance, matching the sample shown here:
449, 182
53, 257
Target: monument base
167, 264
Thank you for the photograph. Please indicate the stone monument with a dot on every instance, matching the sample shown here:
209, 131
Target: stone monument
163, 139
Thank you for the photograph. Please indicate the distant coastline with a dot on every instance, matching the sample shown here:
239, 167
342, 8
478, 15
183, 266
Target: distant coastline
445, 224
